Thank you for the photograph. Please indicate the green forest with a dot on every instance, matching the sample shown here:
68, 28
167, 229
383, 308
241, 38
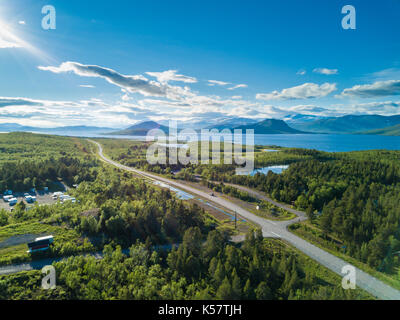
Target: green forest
210, 268
155, 246
351, 198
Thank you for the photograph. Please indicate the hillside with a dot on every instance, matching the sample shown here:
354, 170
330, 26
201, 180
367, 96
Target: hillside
388, 131
14, 127
231, 123
270, 126
348, 124
141, 129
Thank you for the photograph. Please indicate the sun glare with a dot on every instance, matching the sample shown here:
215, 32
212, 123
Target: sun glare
8, 39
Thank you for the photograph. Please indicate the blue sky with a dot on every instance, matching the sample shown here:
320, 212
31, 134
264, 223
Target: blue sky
113, 63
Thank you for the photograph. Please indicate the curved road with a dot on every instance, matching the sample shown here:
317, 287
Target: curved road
279, 230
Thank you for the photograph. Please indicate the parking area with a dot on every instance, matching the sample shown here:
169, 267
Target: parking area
41, 198
31, 198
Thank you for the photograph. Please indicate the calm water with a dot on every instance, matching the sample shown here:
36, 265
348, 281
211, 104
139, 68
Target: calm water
323, 142
274, 169
179, 193
330, 142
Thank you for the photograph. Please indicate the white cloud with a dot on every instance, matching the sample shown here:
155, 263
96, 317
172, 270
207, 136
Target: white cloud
163, 101
119, 114
301, 72
86, 86
130, 83
136, 83
51, 113
216, 82
326, 71
315, 111
171, 75
377, 89
304, 91
382, 75
22, 22
387, 108
238, 86
15, 101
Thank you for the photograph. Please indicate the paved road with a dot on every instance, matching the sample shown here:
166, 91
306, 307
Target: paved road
278, 229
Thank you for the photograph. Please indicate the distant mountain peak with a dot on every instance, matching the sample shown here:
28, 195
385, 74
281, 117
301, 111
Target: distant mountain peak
141, 129
270, 126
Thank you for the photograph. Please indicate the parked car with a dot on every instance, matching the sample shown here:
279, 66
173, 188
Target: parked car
7, 198
30, 199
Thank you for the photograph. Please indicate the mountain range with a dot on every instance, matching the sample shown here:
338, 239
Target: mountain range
270, 126
346, 124
293, 124
67, 130
296, 124
267, 126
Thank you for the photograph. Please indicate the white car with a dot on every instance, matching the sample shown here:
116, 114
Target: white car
7, 198
66, 198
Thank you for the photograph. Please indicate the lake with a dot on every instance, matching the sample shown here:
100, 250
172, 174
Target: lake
274, 169
330, 142
323, 142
